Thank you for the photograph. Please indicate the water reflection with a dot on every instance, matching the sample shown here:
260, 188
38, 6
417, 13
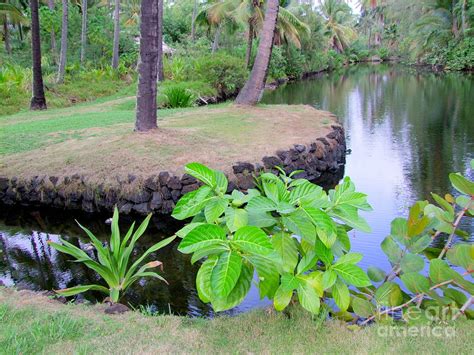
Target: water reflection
407, 129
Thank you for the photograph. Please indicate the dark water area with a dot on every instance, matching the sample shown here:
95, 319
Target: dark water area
406, 129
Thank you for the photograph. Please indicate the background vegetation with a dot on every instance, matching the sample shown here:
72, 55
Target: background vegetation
210, 44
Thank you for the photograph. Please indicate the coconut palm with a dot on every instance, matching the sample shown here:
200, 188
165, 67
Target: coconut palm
338, 23
252, 91
148, 66
38, 101
115, 51
251, 13
84, 31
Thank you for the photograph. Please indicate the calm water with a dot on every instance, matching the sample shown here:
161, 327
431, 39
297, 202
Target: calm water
406, 130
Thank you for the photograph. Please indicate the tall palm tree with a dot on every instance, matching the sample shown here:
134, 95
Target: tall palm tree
251, 14
193, 20
84, 31
38, 101
148, 66
252, 92
338, 24
115, 52
63, 52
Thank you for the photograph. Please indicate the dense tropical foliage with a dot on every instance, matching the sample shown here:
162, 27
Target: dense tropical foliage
294, 235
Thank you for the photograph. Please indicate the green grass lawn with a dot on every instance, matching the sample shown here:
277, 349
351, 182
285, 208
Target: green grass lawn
35, 324
97, 139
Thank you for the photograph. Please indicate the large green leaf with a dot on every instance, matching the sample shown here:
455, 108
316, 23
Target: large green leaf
305, 192
239, 291
462, 255
462, 184
192, 203
269, 278
389, 295
221, 182
340, 292
287, 251
392, 250
308, 297
329, 279
282, 298
349, 258
440, 271
261, 204
183, 232
202, 173
412, 263
419, 243
415, 282
352, 274
215, 207
203, 279
252, 240
300, 224
66, 292
362, 307
235, 218
307, 262
325, 227
203, 236
226, 273
260, 219
324, 253
349, 215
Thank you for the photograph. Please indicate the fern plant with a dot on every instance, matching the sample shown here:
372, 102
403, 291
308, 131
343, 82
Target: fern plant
113, 263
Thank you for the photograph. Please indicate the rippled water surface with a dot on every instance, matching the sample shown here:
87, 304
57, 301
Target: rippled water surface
406, 130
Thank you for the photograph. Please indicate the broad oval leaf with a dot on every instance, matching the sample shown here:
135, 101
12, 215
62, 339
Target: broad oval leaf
203, 236
389, 295
415, 282
376, 274
412, 263
286, 249
225, 274
352, 274
239, 291
341, 295
252, 240
202, 173
362, 307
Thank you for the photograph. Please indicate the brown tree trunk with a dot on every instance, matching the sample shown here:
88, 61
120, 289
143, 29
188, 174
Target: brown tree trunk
38, 101
253, 89
115, 51
161, 74
84, 32
193, 23
53, 35
464, 24
248, 54
148, 66
63, 52
6, 36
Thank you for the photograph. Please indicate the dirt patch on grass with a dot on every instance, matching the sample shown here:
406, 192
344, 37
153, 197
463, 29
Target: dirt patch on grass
216, 136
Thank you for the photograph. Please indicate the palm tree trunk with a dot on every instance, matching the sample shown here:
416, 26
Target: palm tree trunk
38, 101
161, 74
148, 66
248, 54
115, 55
253, 89
53, 34
193, 23
84, 32
217, 35
63, 53
6, 36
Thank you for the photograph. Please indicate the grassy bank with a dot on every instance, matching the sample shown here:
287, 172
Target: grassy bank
97, 139
35, 324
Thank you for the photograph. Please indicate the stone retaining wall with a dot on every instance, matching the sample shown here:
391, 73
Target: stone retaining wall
320, 160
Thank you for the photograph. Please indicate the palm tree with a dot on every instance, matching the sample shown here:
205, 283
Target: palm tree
148, 66
115, 52
250, 13
10, 14
251, 93
84, 31
63, 53
338, 23
193, 20
38, 101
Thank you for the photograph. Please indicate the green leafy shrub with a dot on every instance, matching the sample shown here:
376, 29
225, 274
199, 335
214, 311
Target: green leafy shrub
295, 62
224, 73
240, 233
277, 67
175, 97
113, 263
294, 235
